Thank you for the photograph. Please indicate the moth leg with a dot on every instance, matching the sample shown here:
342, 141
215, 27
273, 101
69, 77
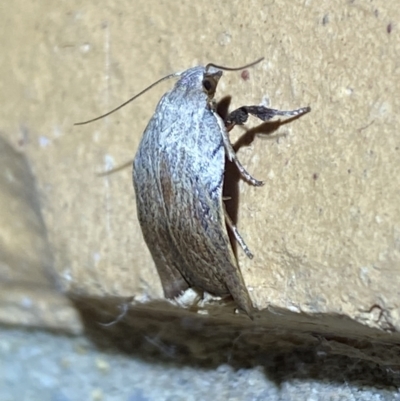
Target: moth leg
237, 235
231, 153
240, 115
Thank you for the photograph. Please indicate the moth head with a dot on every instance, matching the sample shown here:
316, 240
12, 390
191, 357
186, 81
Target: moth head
213, 73
210, 82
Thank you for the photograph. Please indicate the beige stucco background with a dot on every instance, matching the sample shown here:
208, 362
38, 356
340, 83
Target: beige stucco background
325, 228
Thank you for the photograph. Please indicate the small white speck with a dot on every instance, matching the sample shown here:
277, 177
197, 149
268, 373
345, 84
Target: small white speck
188, 298
102, 365
378, 219
265, 101
385, 108
96, 257
26, 302
266, 65
224, 38
108, 162
348, 91
44, 141
56, 131
364, 276
293, 308
85, 48
142, 298
271, 175
66, 274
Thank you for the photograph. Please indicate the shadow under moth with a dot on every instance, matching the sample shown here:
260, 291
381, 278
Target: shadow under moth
178, 176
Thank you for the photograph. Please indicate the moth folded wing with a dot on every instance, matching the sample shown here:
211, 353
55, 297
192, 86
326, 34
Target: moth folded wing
196, 222
154, 224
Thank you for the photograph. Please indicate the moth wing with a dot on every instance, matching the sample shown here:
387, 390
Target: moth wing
153, 221
178, 178
196, 225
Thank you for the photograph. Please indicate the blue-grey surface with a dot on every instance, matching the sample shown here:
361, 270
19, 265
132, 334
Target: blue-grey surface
37, 365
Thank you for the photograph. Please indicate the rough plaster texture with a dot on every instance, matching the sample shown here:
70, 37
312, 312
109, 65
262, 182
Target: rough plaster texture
325, 229
28, 293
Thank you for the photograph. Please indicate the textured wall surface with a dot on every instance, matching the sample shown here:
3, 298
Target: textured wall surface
28, 291
325, 228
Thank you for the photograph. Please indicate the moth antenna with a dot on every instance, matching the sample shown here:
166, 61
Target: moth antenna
175, 74
220, 67
115, 169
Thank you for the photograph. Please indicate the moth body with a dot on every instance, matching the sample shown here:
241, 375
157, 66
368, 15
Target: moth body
178, 174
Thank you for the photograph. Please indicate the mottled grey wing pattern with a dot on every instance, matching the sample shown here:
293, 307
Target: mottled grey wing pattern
184, 226
154, 223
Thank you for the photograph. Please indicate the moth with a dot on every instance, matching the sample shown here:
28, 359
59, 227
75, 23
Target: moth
178, 176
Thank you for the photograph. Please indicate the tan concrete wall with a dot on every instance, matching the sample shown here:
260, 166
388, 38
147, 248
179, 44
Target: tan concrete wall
325, 229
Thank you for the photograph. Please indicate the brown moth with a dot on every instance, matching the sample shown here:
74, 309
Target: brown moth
178, 176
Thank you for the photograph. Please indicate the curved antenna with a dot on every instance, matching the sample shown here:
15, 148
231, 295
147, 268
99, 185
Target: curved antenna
220, 67
175, 74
